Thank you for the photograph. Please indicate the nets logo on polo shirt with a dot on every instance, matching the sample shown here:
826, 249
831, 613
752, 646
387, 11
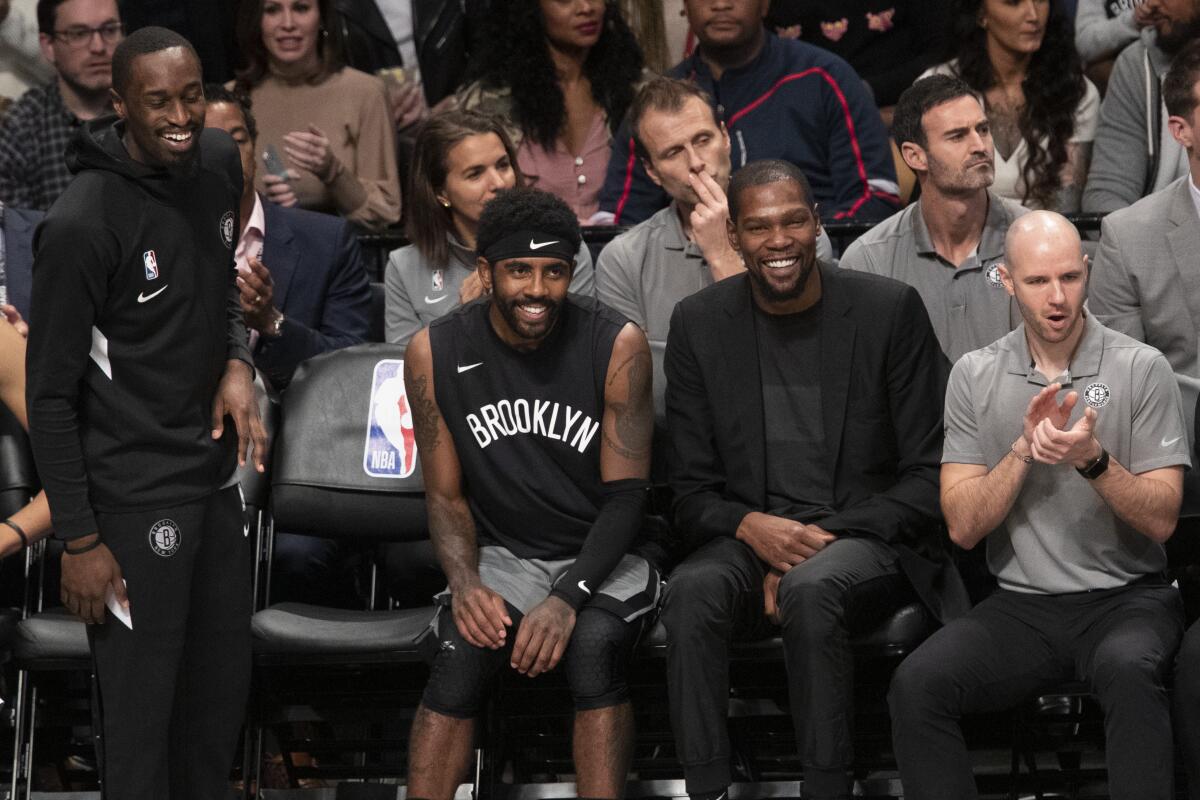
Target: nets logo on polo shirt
1097, 394
992, 276
391, 447
227, 229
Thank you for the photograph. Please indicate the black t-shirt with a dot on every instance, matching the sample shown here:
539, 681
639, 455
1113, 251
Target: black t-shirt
799, 485
526, 426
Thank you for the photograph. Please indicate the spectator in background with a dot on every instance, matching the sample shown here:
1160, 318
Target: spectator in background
304, 290
16, 258
948, 245
1020, 58
432, 40
888, 42
646, 270
1136, 154
21, 62
777, 99
647, 19
32, 522
77, 38
332, 122
1103, 28
461, 159
563, 75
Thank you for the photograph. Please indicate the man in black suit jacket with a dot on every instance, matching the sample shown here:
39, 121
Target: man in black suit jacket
804, 412
16, 244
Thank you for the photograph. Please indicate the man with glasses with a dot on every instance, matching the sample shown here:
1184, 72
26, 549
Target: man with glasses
78, 38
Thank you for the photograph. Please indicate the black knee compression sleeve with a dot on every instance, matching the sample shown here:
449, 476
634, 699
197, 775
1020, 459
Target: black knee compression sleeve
461, 672
597, 658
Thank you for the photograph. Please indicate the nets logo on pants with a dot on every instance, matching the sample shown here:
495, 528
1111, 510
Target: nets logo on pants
391, 448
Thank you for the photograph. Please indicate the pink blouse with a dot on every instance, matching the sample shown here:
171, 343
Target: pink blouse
576, 179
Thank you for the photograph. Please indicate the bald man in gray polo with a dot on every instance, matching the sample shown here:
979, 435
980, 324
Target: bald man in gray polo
1064, 450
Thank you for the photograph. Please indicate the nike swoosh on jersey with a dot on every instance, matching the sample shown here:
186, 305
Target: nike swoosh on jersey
432, 300
142, 297
1167, 443
464, 367
583, 585
540, 245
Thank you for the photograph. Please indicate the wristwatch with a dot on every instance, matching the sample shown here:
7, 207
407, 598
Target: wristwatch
1096, 468
274, 328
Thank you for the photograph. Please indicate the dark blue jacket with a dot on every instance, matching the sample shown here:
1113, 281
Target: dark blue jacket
18, 256
320, 286
795, 102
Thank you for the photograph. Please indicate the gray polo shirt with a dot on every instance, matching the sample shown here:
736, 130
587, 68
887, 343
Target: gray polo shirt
967, 303
417, 293
1060, 535
649, 268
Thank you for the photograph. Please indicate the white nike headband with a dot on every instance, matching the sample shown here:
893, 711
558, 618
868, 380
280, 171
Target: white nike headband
530, 244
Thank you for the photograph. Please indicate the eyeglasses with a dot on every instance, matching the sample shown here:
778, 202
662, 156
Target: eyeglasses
79, 36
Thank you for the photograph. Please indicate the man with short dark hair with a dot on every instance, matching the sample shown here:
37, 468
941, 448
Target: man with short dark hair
533, 418
1135, 153
1075, 498
778, 98
950, 243
803, 408
137, 356
78, 38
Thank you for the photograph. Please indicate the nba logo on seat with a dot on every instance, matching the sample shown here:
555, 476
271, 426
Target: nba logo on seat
391, 448
151, 264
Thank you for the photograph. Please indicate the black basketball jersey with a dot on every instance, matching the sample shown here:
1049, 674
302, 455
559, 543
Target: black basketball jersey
526, 426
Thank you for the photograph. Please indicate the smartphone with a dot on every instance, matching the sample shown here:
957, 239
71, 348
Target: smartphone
274, 162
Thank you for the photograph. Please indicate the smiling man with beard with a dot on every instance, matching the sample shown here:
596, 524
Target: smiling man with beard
803, 406
138, 355
533, 417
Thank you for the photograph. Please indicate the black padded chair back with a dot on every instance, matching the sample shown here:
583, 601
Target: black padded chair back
18, 477
376, 330
658, 465
345, 461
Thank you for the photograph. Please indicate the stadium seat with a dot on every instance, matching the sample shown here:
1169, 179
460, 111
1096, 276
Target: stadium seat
344, 467
376, 326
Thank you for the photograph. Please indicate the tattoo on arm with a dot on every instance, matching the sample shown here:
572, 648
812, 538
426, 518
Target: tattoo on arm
632, 436
426, 416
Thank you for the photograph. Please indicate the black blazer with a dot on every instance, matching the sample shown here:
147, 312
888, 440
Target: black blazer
18, 256
320, 286
883, 380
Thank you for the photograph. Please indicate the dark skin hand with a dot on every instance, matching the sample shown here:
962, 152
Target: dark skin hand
782, 543
480, 616
543, 636
257, 296
86, 578
235, 397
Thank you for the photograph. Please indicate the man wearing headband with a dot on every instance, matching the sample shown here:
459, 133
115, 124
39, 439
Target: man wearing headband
533, 417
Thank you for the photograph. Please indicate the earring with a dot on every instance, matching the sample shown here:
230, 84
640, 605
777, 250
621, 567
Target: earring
444, 202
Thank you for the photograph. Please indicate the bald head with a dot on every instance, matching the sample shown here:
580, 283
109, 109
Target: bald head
1041, 236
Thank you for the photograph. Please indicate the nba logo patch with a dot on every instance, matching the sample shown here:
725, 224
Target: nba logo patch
438, 280
391, 447
151, 265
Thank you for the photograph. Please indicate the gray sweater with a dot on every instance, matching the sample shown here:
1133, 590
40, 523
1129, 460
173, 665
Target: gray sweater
1099, 36
1134, 154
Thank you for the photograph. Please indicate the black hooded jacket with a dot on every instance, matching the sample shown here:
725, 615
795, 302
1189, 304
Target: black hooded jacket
137, 315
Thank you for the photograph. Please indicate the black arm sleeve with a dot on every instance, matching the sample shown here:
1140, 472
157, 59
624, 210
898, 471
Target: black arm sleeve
612, 534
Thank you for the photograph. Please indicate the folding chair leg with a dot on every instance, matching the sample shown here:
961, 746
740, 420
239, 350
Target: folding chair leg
19, 727
32, 729
478, 773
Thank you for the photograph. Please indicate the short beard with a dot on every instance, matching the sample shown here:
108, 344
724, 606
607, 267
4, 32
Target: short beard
509, 314
87, 92
1178, 35
773, 295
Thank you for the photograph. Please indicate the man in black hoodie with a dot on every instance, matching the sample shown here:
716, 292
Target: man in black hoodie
138, 356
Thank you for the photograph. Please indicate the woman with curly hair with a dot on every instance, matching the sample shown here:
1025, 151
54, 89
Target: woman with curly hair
562, 72
1020, 57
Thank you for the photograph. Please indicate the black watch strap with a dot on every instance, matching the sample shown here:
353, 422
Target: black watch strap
1096, 468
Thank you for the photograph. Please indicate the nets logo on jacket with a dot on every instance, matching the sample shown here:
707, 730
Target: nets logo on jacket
227, 229
391, 447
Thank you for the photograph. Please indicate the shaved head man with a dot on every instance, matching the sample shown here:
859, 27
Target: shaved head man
1064, 451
